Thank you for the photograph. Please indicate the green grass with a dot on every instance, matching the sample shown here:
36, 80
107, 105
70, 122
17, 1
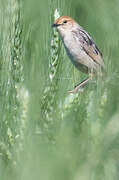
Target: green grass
45, 132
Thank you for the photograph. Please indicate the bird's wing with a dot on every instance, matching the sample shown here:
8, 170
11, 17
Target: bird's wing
89, 46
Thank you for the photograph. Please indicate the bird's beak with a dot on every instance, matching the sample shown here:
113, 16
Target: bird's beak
55, 25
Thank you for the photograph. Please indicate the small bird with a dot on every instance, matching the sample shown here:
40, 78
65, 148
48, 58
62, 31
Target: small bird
80, 47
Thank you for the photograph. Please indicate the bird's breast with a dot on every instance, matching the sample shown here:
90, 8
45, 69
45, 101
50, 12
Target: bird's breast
73, 48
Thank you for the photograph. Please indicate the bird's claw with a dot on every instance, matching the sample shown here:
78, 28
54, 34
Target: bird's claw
76, 90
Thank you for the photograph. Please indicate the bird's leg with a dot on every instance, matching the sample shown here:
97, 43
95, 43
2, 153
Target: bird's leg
83, 83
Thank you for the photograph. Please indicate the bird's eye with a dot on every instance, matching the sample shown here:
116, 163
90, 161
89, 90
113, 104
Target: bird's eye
65, 21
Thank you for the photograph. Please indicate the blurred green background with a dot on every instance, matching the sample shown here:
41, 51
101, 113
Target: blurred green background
45, 132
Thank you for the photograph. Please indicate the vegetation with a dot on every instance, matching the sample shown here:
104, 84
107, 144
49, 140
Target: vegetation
47, 133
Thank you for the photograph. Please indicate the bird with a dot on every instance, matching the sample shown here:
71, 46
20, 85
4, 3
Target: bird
80, 47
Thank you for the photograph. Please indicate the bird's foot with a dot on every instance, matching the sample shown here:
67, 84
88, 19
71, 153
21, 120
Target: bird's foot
78, 87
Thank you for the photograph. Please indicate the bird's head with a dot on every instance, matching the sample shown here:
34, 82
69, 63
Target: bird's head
64, 24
